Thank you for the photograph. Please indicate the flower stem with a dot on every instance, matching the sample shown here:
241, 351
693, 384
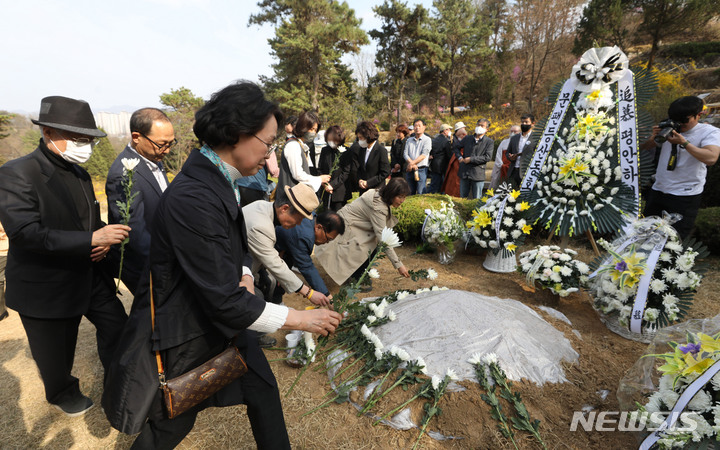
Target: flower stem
421, 392
358, 359
302, 371
370, 402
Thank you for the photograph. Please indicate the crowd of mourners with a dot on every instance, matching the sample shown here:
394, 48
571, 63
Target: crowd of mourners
209, 257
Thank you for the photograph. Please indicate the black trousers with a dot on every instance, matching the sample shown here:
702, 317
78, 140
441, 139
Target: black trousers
262, 399
52, 341
687, 206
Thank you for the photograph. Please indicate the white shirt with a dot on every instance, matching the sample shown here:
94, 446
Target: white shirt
154, 169
294, 151
688, 178
414, 147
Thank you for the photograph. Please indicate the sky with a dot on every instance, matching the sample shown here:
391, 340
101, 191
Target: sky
122, 55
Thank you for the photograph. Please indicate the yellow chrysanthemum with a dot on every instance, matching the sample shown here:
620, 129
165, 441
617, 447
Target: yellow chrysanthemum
524, 206
515, 194
490, 192
510, 247
594, 95
484, 199
526, 229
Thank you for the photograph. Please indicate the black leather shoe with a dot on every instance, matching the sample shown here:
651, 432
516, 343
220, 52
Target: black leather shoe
267, 341
75, 407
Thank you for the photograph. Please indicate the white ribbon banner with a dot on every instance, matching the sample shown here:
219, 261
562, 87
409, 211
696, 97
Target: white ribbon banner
680, 405
548, 137
627, 140
644, 285
427, 216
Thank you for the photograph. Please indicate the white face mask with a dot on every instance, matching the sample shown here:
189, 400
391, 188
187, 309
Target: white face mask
362, 143
332, 144
74, 153
513, 133
480, 130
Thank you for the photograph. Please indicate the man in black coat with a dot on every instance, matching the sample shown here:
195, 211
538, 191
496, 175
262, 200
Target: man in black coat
152, 136
474, 151
55, 267
520, 144
440, 158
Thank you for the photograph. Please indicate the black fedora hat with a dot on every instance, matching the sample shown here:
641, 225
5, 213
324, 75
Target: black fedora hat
68, 114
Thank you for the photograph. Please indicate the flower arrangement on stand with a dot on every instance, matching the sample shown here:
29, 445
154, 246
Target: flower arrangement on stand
647, 280
554, 268
690, 387
499, 225
585, 173
443, 227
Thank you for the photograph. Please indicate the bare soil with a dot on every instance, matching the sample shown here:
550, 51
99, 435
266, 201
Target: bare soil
28, 421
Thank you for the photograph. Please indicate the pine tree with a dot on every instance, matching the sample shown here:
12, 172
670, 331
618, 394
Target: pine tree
402, 40
603, 23
183, 104
311, 36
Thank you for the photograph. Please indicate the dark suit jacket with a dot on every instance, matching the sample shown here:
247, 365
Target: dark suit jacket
377, 168
479, 153
440, 152
197, 252
49, 224
396, 156
514, 150
297, 244
142, 212
344, 178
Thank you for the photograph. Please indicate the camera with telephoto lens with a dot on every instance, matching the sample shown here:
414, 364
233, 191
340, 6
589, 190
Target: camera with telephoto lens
666, 128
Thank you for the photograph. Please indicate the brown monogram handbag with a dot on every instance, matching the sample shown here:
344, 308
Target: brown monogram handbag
187, 390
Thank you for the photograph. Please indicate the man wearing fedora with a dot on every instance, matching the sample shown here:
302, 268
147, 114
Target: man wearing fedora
261, 218
57, 246
151, 138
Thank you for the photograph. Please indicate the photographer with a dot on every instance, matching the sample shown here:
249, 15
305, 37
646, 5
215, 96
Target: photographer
685, 148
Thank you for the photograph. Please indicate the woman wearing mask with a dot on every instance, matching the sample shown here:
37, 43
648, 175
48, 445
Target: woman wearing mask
295, 160
202, 289
372, 158
343, 171
347, 255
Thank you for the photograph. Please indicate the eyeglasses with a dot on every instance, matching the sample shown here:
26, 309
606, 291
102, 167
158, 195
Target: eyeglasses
271, 147
327, 239
81, 140
162, 147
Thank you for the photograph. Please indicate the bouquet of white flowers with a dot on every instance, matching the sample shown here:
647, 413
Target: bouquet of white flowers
554, 268
499, 224
443, 227
648, 279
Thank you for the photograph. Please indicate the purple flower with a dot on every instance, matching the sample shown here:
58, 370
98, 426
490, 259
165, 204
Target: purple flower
621, 266
690, 348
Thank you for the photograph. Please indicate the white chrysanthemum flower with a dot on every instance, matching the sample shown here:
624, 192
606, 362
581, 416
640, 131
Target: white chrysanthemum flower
475, 359
493, 244
391, 315
371, 319
665, 256
508, 222
657, 286
502, 235
378, 353
372, 307
486, 233
599, 190
421, 364
490, 358
403, 355
365, 331
402, 294
565, 257
702, 401
309, 342
651, 314
432, 274
435, 381
373, 273
390, 238
566, 271
582, 267
654, 403
449, 373
129, 163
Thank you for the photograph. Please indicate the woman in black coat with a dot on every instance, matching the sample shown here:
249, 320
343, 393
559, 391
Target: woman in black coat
343, 175
203, 289
397, 162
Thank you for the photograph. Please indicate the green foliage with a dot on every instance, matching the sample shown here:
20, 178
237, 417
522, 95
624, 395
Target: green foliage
311, 36
4, 123
183, 104
693, 50
666, 18
30, 140
411, 214
480, 89
603, 23
707, 229
101, 159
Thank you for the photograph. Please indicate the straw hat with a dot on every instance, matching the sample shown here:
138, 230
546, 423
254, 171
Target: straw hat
303, 199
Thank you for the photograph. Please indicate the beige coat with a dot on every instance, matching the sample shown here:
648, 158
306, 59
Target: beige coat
259, 223
365, 219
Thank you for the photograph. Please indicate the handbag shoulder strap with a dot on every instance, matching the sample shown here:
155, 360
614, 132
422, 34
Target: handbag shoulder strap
161, 369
